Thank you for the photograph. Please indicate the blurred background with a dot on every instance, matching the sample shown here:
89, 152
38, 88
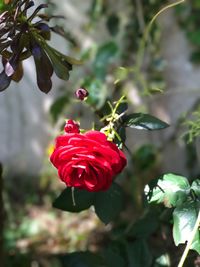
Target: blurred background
160, 76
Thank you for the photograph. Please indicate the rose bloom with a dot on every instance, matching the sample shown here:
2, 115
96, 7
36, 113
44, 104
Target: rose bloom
87, 161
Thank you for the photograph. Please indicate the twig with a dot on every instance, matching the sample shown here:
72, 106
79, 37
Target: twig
147, 31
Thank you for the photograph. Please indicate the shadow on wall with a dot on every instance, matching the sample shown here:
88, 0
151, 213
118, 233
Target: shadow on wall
24, 131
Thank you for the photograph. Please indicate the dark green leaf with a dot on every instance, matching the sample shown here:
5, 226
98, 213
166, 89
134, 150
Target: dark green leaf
143, 121
44, 69
17, 76
145, 226
97, 93
83, 200
171, 190
113, 24
122, 134
145, 157
122, 107
112, 258
82, 259
138, 254
195, 57
44, 30
4, 81
60, 66
103, 57
184, 218
108, 204
62, 31
194, 37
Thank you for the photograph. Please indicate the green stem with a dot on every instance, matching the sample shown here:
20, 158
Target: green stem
147, 31
189, 243
73, 197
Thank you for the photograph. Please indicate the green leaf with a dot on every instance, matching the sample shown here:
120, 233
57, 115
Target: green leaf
108, 204
138, 254
184, 218
83, 200
145, 157
196, 187
195, 57
60, 65
113, 258
145, 226
163, 261
143, 121
194, 37
82, 259
121, 74
104, 56
58, 106
171, 190
98, 93
122, 134
3, 6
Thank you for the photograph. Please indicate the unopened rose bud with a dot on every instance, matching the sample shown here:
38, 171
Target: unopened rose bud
81, 93
72, 127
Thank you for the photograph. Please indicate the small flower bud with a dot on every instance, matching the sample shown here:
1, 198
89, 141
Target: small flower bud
81, 93
72, 127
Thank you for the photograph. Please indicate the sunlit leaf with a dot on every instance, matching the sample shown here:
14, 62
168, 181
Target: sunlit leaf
170, 190
196, 187
163, 261
184, 219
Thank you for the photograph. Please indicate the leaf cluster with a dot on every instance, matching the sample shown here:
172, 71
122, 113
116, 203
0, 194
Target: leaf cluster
23, 36
175, 192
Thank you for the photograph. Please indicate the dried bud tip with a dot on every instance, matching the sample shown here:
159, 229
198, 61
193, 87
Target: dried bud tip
81, 93
72, 127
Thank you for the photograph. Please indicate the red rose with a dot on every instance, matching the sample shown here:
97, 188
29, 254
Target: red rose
72, 127
88, 161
